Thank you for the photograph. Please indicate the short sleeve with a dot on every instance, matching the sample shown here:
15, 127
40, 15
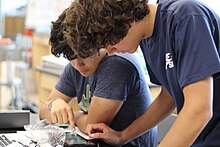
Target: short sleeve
116, 78
196, 52
144, 48
66, 82
153, 78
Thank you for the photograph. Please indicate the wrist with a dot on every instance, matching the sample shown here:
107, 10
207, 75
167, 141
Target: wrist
51, 102
78, 114
123, 138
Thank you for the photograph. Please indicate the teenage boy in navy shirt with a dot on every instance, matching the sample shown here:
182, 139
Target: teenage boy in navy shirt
180, 41
115, 85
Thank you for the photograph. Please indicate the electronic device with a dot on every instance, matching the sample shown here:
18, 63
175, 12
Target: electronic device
13, 120
74, 140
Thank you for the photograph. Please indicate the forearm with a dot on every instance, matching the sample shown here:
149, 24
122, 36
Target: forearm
81, 120
56, 108
186, 128
44, 113
195, 114
159, 110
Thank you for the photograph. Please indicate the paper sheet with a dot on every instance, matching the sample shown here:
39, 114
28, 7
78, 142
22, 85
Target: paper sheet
82, 134
77, 131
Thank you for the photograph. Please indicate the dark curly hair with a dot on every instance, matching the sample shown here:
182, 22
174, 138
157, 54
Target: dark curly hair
95, 24
57, 40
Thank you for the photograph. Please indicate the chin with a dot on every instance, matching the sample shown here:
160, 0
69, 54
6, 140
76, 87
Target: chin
131, 52
85, 74
128, 51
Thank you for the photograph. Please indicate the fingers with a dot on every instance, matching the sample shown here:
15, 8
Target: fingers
102, 131
71, 118
95, 128
95, 131
63, 116
98, 136
54, 117
59, 116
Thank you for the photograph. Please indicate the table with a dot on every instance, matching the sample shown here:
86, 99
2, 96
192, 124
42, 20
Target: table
71, 139
163, 128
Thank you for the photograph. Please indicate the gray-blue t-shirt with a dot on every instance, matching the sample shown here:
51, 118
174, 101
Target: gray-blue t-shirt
118, 77
185, 48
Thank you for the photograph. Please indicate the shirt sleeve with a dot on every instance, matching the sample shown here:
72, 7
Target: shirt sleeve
66, 82
153, 78
116, 79
196, 52
144, 48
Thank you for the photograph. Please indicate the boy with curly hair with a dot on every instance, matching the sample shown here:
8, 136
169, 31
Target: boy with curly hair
109, 89
180, 40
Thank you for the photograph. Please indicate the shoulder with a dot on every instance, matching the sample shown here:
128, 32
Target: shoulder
68, 66
117, 65
183, 8
180, 4
116, 61
69, 70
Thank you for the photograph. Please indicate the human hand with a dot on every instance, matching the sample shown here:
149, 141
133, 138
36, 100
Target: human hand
62, 113
102, 131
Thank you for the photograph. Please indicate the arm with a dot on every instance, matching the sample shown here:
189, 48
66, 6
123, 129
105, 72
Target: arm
60, 112
100, 110
195, 114
162, 106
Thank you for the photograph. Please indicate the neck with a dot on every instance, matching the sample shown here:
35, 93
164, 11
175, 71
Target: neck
149, 20
103, 53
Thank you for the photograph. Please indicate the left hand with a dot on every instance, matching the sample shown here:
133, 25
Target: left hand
102, 131
62, 113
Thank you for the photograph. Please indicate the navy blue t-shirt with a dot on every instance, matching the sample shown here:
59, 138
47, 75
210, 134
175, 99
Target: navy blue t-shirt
119, 79
183, 49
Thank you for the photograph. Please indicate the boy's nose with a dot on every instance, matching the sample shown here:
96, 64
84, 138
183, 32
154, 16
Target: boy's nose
79, 62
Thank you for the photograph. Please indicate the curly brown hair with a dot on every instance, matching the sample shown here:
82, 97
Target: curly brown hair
57, 40
95, 24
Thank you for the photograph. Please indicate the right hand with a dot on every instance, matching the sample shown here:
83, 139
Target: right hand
62, 113
104, 132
